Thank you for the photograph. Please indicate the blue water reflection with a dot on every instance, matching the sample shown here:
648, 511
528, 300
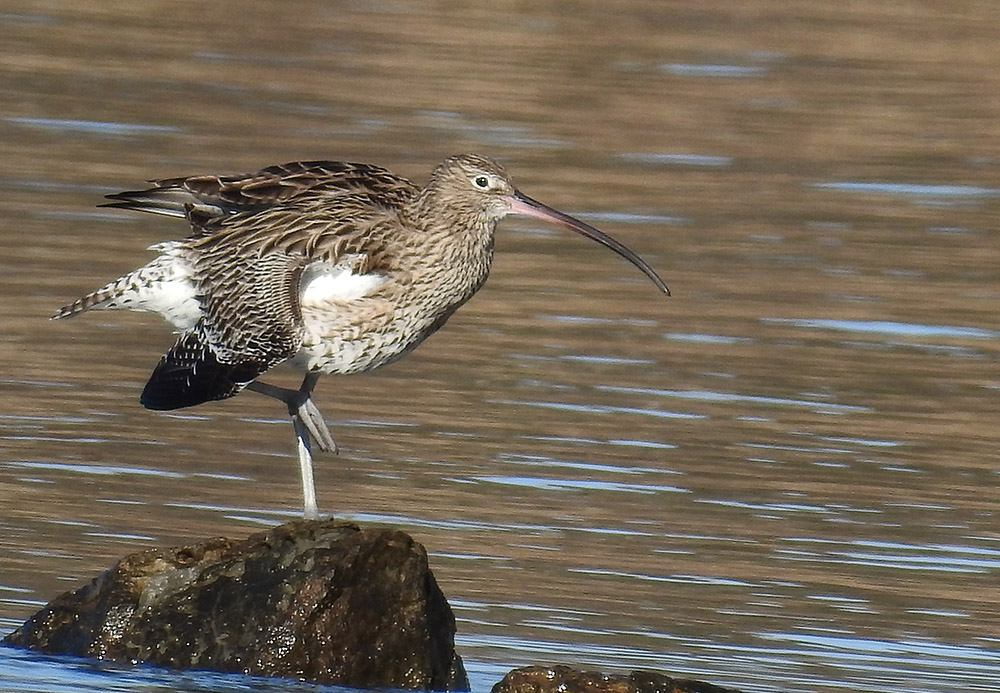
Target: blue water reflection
885, 327
94, 127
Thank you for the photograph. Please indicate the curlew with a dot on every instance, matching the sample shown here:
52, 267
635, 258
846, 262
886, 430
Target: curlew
332, 267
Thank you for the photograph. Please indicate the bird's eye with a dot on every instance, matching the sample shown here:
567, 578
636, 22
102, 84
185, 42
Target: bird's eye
481, 182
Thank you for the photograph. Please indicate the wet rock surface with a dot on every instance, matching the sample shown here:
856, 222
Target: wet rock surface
322, 601
562, 679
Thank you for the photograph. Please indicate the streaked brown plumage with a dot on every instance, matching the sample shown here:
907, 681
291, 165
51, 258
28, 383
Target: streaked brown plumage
334, 267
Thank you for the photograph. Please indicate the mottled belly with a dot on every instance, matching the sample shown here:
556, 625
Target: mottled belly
369, 335
355, 322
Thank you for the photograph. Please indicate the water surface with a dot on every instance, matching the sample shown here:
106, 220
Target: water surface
783, 478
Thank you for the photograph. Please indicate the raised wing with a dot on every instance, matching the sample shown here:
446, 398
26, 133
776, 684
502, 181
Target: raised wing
208, 201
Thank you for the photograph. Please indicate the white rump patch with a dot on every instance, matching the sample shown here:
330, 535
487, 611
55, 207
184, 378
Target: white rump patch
175, 300
163, 286
322, 283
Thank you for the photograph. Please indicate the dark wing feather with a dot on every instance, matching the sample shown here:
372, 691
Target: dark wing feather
252, 322
191, 373
208, 201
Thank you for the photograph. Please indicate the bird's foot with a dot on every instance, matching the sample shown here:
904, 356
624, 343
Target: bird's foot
303, 410
309, 414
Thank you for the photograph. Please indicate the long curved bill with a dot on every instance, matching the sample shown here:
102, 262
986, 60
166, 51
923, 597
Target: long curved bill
522, 204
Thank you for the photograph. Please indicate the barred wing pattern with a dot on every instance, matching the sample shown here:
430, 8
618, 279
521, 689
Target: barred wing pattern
251, 239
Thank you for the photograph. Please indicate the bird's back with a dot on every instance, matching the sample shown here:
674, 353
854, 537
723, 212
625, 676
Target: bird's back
212, 202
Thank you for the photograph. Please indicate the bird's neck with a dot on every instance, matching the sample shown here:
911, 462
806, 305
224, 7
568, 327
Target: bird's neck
448, 225
453, 247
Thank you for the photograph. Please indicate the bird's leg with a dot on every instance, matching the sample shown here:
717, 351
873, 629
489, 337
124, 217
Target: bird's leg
310, 510
306, 419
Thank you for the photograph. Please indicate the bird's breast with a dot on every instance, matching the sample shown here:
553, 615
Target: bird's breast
356, 320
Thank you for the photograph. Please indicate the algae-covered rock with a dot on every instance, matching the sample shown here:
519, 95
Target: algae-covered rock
322, 601
563, 679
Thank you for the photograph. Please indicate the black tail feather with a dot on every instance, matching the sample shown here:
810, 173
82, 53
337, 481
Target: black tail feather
191, 373
141, 201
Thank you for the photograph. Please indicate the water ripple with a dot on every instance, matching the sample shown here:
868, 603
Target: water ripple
96, 469
93, 127
702, 70
678, 159
938, 558
547, 484
712, 396
597, 409
900, 329
911, 189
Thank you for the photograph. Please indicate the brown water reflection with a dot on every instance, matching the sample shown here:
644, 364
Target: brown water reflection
783, 478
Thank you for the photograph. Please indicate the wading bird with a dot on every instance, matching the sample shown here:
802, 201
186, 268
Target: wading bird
333, 267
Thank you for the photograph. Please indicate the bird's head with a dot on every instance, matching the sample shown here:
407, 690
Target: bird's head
475, 187
476, 190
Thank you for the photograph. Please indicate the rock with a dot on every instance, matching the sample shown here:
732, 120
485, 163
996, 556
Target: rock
562, 679
322, 601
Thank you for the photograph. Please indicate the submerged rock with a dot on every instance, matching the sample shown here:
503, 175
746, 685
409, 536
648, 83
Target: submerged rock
322, 601
562, 679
